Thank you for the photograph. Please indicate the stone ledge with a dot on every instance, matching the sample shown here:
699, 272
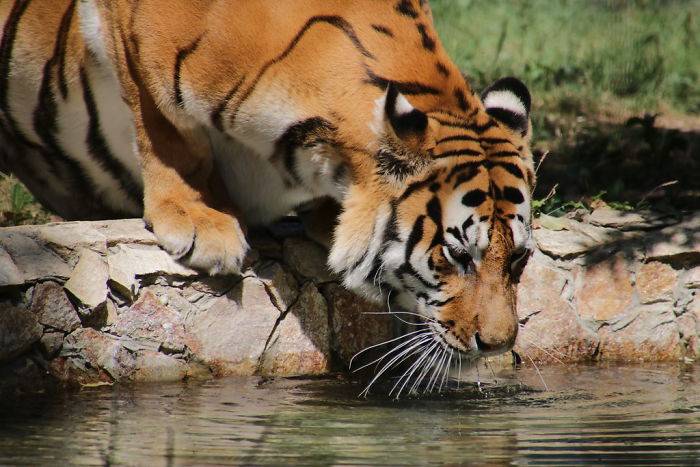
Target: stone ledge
97, 302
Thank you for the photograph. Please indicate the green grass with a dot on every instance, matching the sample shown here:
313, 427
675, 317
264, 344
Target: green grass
17, 205
643, 54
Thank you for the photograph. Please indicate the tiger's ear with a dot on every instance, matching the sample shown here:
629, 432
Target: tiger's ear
508, 101
406, 121
405, 134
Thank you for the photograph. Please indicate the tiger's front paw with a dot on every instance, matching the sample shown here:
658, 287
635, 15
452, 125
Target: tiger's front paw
199, 236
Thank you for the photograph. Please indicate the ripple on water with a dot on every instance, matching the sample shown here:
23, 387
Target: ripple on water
590, 414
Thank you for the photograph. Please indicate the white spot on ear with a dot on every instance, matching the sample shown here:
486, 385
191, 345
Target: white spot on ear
505, 100
378, 123
402, 107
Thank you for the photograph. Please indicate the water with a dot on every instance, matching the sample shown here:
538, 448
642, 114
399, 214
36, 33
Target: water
638, 415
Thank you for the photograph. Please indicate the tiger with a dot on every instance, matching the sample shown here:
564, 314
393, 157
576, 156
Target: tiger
208, 117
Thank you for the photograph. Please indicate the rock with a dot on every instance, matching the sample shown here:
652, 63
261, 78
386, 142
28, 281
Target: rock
65, 238
541, 287
156, 367
300, 345
127, 262
52, 307
280, 285
233, 330
88, 281
556, 335
31, 257
307, 259
10, 274
651, 334
149, 319
50, 343
19, 329
677, 244
655, 282
692, 278
637, 220
604, 290
95, 355
552, 223
564, 244
353, 326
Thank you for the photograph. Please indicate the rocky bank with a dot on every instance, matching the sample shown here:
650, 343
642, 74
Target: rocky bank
91, 303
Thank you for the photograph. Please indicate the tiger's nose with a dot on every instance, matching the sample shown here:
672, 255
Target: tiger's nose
497, 346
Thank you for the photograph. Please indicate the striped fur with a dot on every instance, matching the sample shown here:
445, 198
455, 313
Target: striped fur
203, 115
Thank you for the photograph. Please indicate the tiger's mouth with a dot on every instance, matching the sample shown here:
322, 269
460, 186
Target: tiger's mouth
442, 333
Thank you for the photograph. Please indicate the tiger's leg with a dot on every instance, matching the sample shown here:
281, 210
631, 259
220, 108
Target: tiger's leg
184, 200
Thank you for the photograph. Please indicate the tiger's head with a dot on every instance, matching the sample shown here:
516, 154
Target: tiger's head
441, 227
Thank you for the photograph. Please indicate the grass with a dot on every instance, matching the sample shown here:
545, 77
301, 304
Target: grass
641, 54
18, 206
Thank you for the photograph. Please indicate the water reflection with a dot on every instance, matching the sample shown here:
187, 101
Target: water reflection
590, 414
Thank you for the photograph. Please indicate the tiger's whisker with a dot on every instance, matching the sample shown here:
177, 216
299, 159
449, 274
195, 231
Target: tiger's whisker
436, 371
447, 370
538, 371
421, 359
414, 348
394, 349
382, 343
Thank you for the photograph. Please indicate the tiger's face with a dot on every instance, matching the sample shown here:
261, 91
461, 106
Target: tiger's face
450, 216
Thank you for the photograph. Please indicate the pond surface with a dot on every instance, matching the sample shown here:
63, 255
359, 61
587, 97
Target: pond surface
588, 414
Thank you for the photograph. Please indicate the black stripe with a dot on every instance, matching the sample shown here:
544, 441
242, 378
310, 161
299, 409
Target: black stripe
216, 119
182, 54
493, 141
413, 187
99, 149
461, 167
404, 87
405, 7
427, 41
458, 153
513, 195
335, 21
462, 137
408, 269
474, 198
61, 46
504, 154
442, 69
383, 30
510, 168
468, 126
9, 34
461, 99
466, 176
414, 237
434, 210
